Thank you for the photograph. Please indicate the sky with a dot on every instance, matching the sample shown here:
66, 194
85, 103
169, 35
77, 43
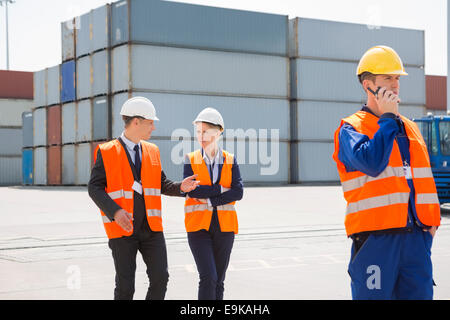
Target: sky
35, 25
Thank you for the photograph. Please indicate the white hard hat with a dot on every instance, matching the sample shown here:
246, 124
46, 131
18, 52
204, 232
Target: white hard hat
139, 107
210, 115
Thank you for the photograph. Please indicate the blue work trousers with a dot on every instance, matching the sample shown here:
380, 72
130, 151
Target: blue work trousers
393, 266
211, 250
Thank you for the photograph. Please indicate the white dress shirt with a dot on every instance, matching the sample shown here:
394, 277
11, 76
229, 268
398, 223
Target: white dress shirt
130, 147
214, 163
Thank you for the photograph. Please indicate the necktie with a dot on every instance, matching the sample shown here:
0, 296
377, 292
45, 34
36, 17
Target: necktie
211, 171
137, 161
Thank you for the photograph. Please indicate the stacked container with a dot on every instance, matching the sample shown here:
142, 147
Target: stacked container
282, 86
16, 92
27, 151
324, 87
39, 127
65, 101
436, 92
85, 117
191, 61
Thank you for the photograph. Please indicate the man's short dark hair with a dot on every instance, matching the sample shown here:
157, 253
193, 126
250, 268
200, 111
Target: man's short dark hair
127, 120
366, 76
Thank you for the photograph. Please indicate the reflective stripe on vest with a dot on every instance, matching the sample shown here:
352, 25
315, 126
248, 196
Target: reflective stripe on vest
380, 203
154, 213
198, 214
427, 198
196, 207
422, 173
120, 180
121, 194
376, 202
361, 181
226, 207
152, 192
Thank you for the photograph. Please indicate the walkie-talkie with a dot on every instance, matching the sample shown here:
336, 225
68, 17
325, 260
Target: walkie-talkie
375, 93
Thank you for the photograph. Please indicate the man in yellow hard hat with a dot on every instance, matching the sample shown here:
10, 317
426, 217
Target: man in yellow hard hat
392, 205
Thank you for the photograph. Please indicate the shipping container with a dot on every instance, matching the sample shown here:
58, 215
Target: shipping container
166, 69
68, 122
83, 163
100, 73
186, 25
412, 112
10, 141
54, 125
68, 39
54, 165
40, 166
100, 118
40, 127
16, 84
27, 129
68, 83
259, 161
93, 31
10, 170
94, 145
316, 120
83, 34
53, 85
436, 92
40, 88
84, 121
436, 112
333, 40
27, 166
84, 77
336, 81
315, 162
100, 26
11, 111
251, 116
68, 164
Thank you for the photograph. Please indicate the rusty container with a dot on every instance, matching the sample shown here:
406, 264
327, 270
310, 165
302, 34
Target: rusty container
54, 165
54, 125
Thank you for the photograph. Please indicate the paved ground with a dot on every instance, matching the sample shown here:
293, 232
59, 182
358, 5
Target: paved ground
292, 245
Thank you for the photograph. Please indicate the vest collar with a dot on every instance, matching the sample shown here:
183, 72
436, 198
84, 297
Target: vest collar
218, 158
130, 144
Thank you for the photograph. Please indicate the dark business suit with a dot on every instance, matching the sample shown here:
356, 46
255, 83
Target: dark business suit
212, 248
124, 250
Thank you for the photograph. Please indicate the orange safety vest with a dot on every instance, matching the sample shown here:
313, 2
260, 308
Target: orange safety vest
198, 214
380, 203
119, 182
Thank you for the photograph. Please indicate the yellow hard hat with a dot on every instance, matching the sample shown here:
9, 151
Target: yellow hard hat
381, 60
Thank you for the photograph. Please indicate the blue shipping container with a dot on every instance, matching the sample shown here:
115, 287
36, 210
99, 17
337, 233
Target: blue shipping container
27, 166
68, 89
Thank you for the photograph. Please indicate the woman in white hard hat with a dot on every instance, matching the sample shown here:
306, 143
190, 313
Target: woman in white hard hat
210, 215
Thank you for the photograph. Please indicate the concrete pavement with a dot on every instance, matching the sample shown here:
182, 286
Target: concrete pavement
291, 245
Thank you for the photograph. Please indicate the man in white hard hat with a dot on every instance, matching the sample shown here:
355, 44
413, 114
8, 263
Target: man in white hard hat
126, 184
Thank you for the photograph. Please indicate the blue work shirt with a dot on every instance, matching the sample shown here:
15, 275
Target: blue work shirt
371, 156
